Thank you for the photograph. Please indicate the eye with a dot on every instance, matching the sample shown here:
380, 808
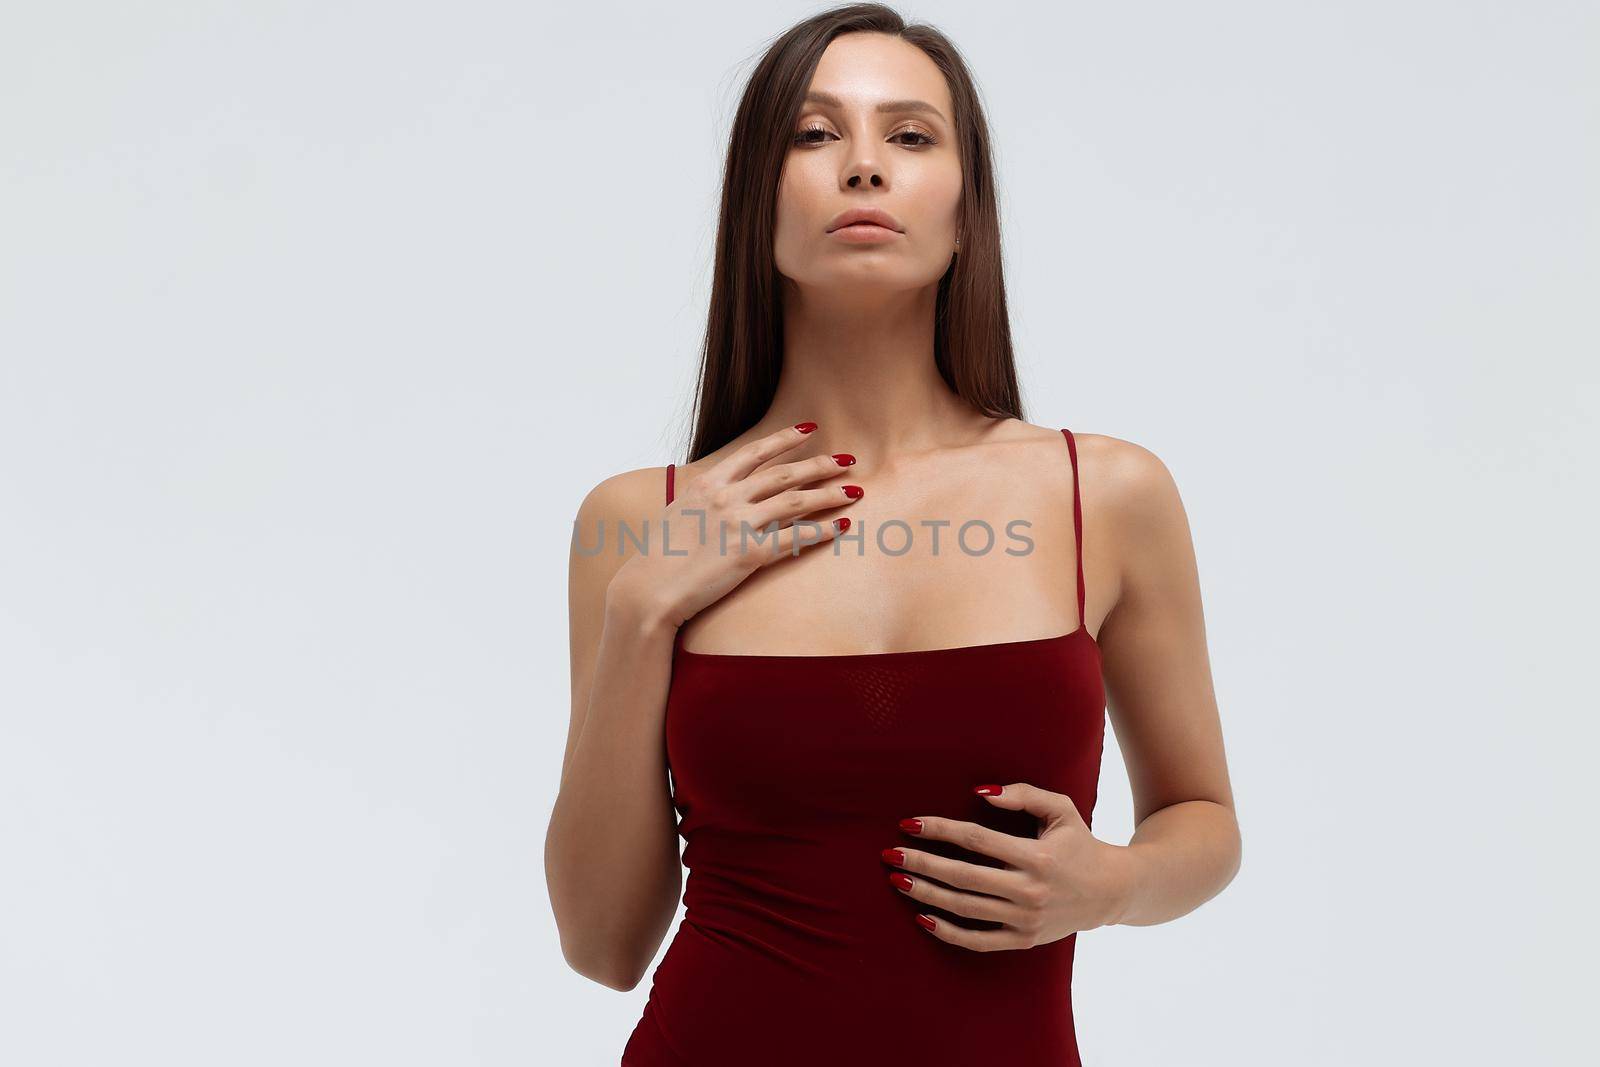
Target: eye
804, 136
927, 138
815, 134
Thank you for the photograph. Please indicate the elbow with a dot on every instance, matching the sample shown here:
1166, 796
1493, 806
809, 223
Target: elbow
607, 968
604, 937
1236, 856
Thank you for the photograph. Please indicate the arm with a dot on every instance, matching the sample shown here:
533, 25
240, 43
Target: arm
611, 852
1186, 847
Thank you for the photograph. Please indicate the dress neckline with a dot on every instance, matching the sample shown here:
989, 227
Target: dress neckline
987, 646
955, 650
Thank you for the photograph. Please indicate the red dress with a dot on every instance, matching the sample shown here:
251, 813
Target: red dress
790, 775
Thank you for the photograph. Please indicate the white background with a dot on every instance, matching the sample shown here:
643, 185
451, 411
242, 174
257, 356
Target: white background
317, 321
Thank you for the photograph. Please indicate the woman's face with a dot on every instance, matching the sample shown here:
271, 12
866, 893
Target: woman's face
847, 153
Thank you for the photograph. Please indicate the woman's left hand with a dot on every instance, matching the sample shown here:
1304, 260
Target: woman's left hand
1058, 883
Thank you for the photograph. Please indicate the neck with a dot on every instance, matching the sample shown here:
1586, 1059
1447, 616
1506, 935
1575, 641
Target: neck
863, 370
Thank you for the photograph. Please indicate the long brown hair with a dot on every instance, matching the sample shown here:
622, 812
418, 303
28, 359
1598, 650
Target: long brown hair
743, 350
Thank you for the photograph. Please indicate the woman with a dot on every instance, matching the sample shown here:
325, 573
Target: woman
881, 741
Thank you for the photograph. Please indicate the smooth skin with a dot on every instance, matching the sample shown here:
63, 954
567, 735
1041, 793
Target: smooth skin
858, 344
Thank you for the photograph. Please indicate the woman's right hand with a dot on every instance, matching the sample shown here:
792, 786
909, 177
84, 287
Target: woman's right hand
726, 537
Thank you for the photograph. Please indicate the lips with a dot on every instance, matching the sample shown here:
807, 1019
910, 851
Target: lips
865, 216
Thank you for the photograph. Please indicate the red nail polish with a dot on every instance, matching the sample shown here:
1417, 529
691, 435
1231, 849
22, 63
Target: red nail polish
988, 790
894, 856
901, 882
805, 427
842, 523
911, 826
926, 921
852, 491
843, 459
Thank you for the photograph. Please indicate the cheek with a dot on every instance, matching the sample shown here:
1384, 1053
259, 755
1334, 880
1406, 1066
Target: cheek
799, 209
938, 193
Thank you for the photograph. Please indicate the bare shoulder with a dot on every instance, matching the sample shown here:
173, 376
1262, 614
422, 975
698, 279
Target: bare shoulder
1116, 471
1135, 488
1128, 493
1134, 501
599, 548
633, 498
628, 494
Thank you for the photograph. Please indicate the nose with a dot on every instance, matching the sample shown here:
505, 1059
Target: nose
862, 168
861, 163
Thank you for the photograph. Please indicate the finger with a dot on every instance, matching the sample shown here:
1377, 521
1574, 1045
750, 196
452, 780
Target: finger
749, 456
761, 545
1017, 851
977, 940
793, 503
804, 533
775, 480
959, 902
992, 881
1047, 804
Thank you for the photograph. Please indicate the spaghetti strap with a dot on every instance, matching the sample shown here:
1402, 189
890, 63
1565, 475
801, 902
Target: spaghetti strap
1077, 522
677, 637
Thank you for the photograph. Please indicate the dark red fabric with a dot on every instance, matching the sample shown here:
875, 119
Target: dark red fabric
789, 775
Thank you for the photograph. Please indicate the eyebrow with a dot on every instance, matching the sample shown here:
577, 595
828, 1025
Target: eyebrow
817, 96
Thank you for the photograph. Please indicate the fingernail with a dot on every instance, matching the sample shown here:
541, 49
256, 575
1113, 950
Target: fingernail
894, 856
901, 882
805, 427
911, 826
842, 523
926, 921
988, 790
843, 459
852, 491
